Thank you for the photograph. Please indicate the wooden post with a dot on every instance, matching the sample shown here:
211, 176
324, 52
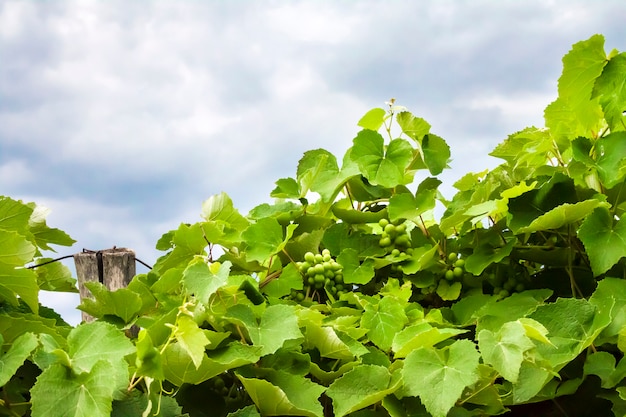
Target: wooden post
114, 268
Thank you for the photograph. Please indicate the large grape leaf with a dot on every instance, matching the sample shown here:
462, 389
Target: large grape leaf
288, 279
318, 171
421, 335
203, 280
55, 276
19, 351
15, 250
361, 387
409, 206
609, 298
189, 241
220, 208
284, 394
179, 368
414, 127
355, 271
439, 376
604, 239
574, 113
265, 238
505, 348
610, 88
123, 303
384, 319
277, 325
563, 215
436, 153
381, 166
59, 393
20, 282
90, 343
14, 215
191, 338
611, 163
603, 365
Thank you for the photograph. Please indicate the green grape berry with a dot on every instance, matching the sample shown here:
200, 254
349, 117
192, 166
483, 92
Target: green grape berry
449, 275
390, 229
383, 222
458, 272
395, 252
384, 242
460, 263
309, 257
452, 256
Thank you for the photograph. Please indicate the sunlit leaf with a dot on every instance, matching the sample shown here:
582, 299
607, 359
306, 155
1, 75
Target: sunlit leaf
604, 239
361, 387
439, 376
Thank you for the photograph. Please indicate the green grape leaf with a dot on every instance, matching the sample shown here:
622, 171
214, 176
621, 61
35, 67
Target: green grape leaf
327, 342
90, 343
361, 387
604, 239
373, 119
610, 89
19, 351
383, 320
436, 153
191, 338
354, 271
189, 241
414, 127
137, 403
15, 250
494, 313
485, 254
122, 303
288, 279
563, 215
609, 298
249, 411
574, 113
318, 171
278, 325
287, 188
148, 360
55, 276
59, 393
265, 238
505, 349
202, 280
220, 208
421, 335
284, 394
611, 163
381, 166
14, 215
439, 376
20, 282
407, 206
449, 291
179, 368
573, 324
602, 364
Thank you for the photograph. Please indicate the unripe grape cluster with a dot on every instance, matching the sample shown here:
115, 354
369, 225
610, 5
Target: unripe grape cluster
320, 271
505, 284
226, 386
394, 237
456, 267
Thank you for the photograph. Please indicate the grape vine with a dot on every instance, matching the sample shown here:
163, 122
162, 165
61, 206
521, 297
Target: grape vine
347, 296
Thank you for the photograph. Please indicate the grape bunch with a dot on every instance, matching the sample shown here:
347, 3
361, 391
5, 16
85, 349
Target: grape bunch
505, 282
395, 237
320, 272
456, 267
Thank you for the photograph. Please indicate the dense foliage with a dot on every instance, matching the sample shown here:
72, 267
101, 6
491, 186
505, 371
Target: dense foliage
349, 296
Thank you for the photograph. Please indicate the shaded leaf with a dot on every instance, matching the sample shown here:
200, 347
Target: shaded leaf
604, 240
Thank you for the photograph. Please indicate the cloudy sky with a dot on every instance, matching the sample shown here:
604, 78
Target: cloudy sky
123, 117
